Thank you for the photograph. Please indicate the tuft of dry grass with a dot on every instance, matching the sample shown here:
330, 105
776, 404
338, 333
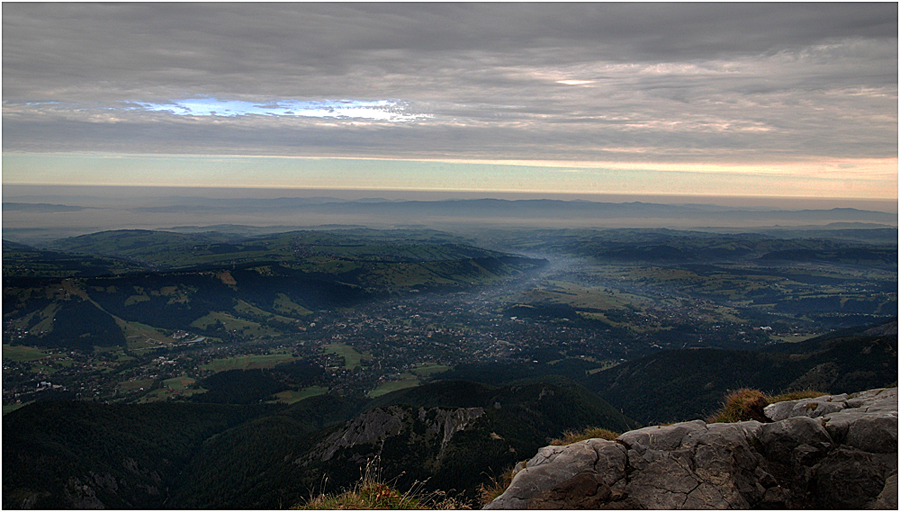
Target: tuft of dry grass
742, 405
487, 493
748, 404
380, 496
570, 436
366, 495
372, 493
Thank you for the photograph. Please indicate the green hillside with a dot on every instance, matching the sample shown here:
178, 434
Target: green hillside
679, 385
212, 285
21, 260
313, 251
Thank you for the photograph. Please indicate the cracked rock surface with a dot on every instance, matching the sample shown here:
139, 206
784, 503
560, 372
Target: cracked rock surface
835, 451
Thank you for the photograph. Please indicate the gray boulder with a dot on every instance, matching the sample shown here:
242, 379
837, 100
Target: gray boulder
554, 466
838, 451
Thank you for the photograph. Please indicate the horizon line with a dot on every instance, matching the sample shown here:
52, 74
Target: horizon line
887, 205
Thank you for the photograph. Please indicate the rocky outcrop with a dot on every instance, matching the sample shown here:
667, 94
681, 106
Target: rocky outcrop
829, 452
373, 428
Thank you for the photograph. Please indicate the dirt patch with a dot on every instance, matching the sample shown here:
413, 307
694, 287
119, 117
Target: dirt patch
225, 277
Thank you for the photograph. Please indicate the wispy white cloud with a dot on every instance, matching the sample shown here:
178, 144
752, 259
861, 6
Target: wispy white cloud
574, 82
379, 110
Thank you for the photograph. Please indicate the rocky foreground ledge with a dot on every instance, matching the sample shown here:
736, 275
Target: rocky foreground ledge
836, 451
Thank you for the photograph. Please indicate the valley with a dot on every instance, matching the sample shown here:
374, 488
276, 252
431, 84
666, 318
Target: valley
353, 255
273, 343
375, 311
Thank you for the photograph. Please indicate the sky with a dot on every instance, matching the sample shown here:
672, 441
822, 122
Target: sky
711, 99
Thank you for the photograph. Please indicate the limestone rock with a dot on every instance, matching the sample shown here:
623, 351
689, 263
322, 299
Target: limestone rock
585, 490
874, 434
554, 465
780, 439
829, 452
848, 478
373, 427
888, 497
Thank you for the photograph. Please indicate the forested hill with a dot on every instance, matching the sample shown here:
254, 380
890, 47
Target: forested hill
193, 455
688, 384
168, 250
677, 385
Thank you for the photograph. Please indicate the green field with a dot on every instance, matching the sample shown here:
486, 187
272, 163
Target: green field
407, 380
791, 339
140, 336
157, 395
351, 357
405, 275
249, 362
180, 386
580, 297
247, 308
283, 304
47, 315
21, 353
13, 407
179, 383
134, 299
429, 369
171, 388
292, 396
604, 365
230, 323
133, 385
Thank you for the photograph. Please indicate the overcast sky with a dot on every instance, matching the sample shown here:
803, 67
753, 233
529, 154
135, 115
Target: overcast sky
737, 98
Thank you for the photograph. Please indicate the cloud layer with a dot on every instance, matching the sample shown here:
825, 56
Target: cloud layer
680, 83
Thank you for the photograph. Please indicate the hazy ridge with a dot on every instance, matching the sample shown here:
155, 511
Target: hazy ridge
39, 219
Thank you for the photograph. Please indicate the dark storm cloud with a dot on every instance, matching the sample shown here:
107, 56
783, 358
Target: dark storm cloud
790, 79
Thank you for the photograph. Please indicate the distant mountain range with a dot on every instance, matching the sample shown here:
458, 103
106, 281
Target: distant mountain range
523, 209
54, 217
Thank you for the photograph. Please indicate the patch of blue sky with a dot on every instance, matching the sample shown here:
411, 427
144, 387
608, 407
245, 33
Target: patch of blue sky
377, 110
